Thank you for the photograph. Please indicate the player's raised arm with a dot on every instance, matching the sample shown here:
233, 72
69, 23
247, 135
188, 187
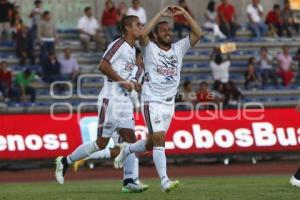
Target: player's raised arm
144, 38
196, 33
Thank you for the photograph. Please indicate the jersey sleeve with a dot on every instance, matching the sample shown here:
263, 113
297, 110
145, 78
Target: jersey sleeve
113, 52
183, 45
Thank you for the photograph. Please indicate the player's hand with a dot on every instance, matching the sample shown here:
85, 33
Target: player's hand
178, 10
129, 86
167, 11
138, 86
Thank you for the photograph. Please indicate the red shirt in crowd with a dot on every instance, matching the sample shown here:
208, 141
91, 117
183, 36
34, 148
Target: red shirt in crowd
273, 18
227, 11
109, 17
180, 19
6, 78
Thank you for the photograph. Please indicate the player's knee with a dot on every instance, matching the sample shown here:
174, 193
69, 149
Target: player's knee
158, 139
102, 143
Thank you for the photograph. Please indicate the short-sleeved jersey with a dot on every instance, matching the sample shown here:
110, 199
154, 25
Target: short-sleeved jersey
162, 70
121, 56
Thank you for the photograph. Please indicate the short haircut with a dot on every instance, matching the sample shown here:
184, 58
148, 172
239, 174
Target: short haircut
186, 83
127, 21
87, 9
158, 24
36, 2
46, 13
276, 6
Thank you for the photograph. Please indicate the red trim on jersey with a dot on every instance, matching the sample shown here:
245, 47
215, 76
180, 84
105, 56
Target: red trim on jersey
147, 117
111, 52
102, 116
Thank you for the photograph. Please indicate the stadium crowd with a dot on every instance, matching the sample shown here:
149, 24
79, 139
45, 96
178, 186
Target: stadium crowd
220, 20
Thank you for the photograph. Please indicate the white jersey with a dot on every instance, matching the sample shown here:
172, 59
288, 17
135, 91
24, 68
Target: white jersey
121, 56
162, 71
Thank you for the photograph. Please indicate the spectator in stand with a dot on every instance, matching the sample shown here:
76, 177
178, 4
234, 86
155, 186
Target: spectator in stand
232, 95
227, 18
16, 22
264, 62
23, 86
109, 22
218, 93
297, 58
252, 79
6, 12
51, 69
138, 11
255, 13
219, 66
284, 60
5, 80
288, 19
89, 30
35, 15
24, 48
46, 36
121, 13
180, 23
187, 97
212, 20
69, 68
274, 22
204, 96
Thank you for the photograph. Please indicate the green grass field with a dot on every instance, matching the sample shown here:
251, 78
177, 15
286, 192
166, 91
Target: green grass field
208, 188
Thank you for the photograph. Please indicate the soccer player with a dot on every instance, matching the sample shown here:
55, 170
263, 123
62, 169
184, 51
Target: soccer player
295, 180
112, 149
163, 61
115, 106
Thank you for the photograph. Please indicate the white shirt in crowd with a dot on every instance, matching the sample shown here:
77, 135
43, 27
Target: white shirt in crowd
264, 63
68, 66
89, 25
140, 13
121, 56
162, 70
220, 72
254, 12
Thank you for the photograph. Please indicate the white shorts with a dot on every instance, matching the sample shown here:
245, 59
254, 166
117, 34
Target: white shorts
157, 116
113, 116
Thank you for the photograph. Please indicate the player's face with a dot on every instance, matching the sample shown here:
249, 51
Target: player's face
164, 34
136, 28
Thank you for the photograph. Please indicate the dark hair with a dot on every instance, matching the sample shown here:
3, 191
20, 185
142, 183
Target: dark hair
186, 83
127, 21
251, 60
203, 83
276, 6
158, 24
286, 1
36, 2
27, 72
263, 48
211, 6
87, 9
46, 13
137, 51
218, 59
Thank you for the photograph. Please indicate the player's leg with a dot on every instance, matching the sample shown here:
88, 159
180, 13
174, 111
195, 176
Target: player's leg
129, 163
295, 180
158, 118
86, 149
